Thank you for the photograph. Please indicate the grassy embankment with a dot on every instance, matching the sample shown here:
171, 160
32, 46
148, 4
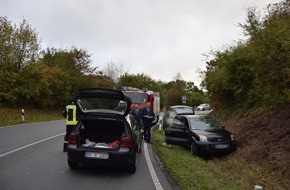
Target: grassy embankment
191, 172
12, 116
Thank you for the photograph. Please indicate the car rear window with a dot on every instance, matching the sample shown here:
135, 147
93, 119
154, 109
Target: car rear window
183, 110
87, 104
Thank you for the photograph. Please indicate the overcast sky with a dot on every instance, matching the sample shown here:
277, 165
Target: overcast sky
157, 37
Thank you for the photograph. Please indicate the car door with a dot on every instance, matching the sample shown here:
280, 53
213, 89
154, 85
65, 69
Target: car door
176, 132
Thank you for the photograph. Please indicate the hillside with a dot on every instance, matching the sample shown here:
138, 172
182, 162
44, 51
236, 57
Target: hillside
263, 144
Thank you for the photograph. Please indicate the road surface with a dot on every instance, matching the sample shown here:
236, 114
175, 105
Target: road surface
31, 157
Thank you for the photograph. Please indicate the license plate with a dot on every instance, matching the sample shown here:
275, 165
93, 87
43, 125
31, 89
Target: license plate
97, 155
221, 146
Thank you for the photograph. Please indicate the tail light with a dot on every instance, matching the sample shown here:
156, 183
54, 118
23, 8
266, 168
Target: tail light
73, 138
126, 142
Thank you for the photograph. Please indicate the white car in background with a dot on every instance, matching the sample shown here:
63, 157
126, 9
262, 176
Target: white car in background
203, 107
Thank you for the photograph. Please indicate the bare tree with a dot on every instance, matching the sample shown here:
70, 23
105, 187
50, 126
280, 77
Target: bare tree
114, 71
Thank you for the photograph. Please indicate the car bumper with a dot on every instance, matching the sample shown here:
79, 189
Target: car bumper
221, 147
116, 158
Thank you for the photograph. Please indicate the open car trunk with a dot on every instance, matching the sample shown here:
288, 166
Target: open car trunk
101, 133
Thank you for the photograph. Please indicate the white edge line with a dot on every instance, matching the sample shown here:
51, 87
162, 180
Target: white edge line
151, 169
31, 144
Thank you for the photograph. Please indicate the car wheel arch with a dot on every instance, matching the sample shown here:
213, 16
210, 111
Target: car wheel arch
193, 148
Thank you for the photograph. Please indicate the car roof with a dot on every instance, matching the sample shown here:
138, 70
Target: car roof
180, 106
204, 105
182, 109
195, 116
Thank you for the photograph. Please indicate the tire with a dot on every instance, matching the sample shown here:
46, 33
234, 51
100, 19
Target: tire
72, 165
133, 166
193, 149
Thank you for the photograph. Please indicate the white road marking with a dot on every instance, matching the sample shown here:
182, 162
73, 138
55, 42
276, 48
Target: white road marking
31, 144
151, 169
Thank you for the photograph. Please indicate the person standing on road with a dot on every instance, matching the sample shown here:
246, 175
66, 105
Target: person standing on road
148, 117
138, 113
71, 120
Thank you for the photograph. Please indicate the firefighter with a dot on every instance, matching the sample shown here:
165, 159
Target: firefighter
148, 117
70, 114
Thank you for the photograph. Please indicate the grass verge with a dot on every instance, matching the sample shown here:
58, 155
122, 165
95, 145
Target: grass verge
191, 172
12, 116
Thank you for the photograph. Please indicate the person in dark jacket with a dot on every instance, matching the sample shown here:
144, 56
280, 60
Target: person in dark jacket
138, 113
148, 118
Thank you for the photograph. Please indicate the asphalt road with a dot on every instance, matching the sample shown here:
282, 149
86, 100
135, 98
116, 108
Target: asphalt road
31, 157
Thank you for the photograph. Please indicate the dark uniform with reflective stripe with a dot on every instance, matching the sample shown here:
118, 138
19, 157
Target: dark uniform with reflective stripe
71, 121
148, 117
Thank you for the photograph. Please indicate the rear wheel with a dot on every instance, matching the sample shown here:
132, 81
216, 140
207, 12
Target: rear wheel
133, 165
72, 165
193, 149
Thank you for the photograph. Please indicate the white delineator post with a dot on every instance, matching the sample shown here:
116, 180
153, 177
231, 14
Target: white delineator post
22, 116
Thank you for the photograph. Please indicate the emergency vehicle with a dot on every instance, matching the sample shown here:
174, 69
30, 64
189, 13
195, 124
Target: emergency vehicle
141, 97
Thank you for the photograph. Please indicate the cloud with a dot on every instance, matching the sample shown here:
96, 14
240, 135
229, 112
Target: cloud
156, 37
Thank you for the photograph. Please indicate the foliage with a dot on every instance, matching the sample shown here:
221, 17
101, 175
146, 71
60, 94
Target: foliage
19, 47
50, 77
139, 80
170, 92
42, 79
74, 71
254, 73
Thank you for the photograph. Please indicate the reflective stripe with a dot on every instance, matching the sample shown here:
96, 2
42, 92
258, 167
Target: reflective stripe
71, 118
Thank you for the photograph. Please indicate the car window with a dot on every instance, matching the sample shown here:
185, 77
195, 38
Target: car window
204, 123
102, 103
174, 123
136, 97
184, 110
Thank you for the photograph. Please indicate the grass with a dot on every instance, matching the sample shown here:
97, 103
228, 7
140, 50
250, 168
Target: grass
12, 116
230, 172
192, 172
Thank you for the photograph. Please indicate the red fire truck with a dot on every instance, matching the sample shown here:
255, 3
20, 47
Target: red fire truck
141, 97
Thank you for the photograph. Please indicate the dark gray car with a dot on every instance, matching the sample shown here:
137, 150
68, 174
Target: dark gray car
202, 134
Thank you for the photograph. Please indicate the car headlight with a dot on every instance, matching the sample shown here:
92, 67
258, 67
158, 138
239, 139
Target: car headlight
202, 138
232, 137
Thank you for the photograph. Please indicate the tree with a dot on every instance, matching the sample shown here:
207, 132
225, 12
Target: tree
114, 71
74, 68
37, 86
19, 46
254, 73
176, 89
139, 80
